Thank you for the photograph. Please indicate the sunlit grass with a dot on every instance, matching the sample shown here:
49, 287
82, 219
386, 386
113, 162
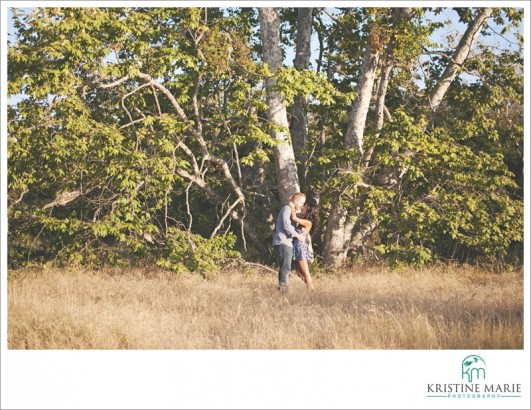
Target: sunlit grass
369, 308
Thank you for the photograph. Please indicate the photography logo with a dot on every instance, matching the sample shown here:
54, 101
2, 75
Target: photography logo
473, 368
473, 384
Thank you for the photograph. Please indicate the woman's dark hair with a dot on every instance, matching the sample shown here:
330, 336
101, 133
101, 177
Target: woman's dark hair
312, 214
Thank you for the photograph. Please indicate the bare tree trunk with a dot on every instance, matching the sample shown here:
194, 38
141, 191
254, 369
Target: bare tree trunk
389, 176
461, 53
340, 225
343, 227
299, 121
361, 235
337, 236
380, 110
364, 229
360, 107
287, 179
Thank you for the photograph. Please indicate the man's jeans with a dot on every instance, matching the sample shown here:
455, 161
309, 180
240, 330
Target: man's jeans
284, 254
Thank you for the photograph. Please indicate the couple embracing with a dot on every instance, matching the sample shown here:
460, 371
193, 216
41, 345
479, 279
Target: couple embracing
291, 241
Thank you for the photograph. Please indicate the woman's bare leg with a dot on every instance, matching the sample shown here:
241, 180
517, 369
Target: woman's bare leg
300, 273
303, 266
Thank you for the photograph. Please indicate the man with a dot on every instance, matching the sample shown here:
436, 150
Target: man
283, 239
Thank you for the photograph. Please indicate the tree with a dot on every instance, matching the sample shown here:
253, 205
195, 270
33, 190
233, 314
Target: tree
299, 122
339, 228
286, 168
460, 55
148, 133
374, 190
146, 117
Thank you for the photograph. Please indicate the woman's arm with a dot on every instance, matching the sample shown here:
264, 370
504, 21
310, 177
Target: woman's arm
306, 224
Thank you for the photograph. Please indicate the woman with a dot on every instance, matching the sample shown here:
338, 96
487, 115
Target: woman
302, 253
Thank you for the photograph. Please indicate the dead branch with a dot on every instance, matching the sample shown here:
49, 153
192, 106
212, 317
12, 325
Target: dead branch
63, 199
258, 265
229, 211
18, 200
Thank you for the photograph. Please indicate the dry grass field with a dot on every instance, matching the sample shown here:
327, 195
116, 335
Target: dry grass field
365, 308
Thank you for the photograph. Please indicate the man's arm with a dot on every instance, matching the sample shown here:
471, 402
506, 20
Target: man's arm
286, 224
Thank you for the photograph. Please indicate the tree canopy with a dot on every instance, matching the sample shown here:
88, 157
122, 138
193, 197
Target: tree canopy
147, 134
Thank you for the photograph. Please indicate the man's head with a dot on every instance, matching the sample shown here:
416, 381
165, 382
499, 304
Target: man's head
298, 199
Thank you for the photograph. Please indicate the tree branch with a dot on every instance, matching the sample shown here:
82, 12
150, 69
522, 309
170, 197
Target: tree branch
63, 199
18, 200
229, 211
167, 93
461, 54
115, 83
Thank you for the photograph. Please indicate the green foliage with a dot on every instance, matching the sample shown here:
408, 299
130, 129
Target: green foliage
455, 200
119, 147
185, 253
291, 82
445, 185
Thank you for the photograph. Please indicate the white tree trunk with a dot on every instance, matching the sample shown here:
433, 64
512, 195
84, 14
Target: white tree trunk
337, 236
287, 179
340, 225
360, 106
366, 227
387, 64
299, 121
461, 53
390, 177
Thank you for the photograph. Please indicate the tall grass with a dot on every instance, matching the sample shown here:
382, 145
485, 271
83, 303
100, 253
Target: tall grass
437, 308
